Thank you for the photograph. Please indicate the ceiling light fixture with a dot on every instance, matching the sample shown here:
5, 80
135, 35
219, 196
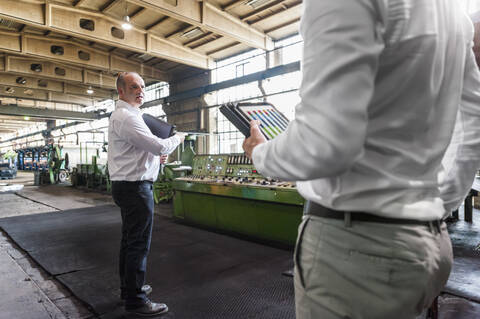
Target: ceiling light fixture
26, 118
90, 90
190, 34
126, 25
256, 3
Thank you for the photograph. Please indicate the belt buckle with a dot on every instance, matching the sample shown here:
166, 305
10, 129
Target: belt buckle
435, 224
347, 218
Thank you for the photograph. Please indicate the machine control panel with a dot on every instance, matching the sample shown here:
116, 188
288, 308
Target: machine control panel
230, 169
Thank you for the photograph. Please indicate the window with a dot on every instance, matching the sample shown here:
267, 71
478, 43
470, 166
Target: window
57, 50
82, 55
36, 67
229, 139
87, 24
156, 91
60, 71
21, 80
281, 91
42, 83
117, 33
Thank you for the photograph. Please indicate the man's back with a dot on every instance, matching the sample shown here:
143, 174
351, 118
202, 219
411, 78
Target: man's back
418, 88
382, 82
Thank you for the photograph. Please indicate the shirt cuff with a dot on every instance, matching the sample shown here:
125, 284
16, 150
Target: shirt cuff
176, 139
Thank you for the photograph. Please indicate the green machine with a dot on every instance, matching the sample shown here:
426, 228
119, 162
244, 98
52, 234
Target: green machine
56, 169
57, 165
162, 188
226, 192
92, 176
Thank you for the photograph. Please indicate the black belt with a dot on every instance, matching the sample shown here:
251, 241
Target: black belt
132, 182
315, 209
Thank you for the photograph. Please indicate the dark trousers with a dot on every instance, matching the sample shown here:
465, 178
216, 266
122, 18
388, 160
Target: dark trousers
135, 200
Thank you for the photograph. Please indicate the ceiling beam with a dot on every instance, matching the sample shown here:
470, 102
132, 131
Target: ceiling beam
201, 90
199, 45
233, 5
73, 53
157, 23
260, 10
109, 6
193, 41
283, 25
179, 32
225, 47
47, 69
79, 3
37, 83
66, 20
15, 110
41, 95
137, 14
291, 8
16, 124
18, 121
207, 16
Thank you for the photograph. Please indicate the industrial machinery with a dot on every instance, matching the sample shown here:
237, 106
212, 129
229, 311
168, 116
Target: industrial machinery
51, 167
94, 175
162, 188
8, 168
226, 192
57, 165
20, 159
28, 160
33, 158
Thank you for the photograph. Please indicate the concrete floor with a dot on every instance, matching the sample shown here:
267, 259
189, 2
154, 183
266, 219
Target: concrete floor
23, 177
27, 291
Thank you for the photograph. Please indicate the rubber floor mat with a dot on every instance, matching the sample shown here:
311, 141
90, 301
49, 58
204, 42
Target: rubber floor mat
197, 273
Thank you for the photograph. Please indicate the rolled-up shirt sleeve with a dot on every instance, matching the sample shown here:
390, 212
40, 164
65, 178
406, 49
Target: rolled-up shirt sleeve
462, 159
340, 60
134, 130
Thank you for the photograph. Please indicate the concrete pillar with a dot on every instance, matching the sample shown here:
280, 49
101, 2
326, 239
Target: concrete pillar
48, 135
191, 115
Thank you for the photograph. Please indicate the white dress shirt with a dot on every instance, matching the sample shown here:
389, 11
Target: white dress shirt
382, 83
133, 151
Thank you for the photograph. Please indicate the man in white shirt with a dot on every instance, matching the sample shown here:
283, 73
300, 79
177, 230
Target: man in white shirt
133, 164
382, 83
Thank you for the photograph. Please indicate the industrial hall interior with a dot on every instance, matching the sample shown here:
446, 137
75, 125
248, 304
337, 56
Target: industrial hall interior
154, 160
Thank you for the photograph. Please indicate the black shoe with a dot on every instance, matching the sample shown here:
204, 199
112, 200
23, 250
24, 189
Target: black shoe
149, 308
147, 289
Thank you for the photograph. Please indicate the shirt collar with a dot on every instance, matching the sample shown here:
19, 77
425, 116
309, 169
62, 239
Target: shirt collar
123, 104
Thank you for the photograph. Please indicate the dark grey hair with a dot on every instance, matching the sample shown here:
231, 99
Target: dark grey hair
121, 79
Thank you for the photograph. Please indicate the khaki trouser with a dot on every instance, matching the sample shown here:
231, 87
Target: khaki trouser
369, 270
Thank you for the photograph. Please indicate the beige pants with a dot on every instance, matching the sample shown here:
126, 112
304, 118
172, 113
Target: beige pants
368, 270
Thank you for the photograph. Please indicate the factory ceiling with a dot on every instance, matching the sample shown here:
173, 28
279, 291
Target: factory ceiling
55, 54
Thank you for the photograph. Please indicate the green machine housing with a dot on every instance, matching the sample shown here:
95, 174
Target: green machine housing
226, 192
